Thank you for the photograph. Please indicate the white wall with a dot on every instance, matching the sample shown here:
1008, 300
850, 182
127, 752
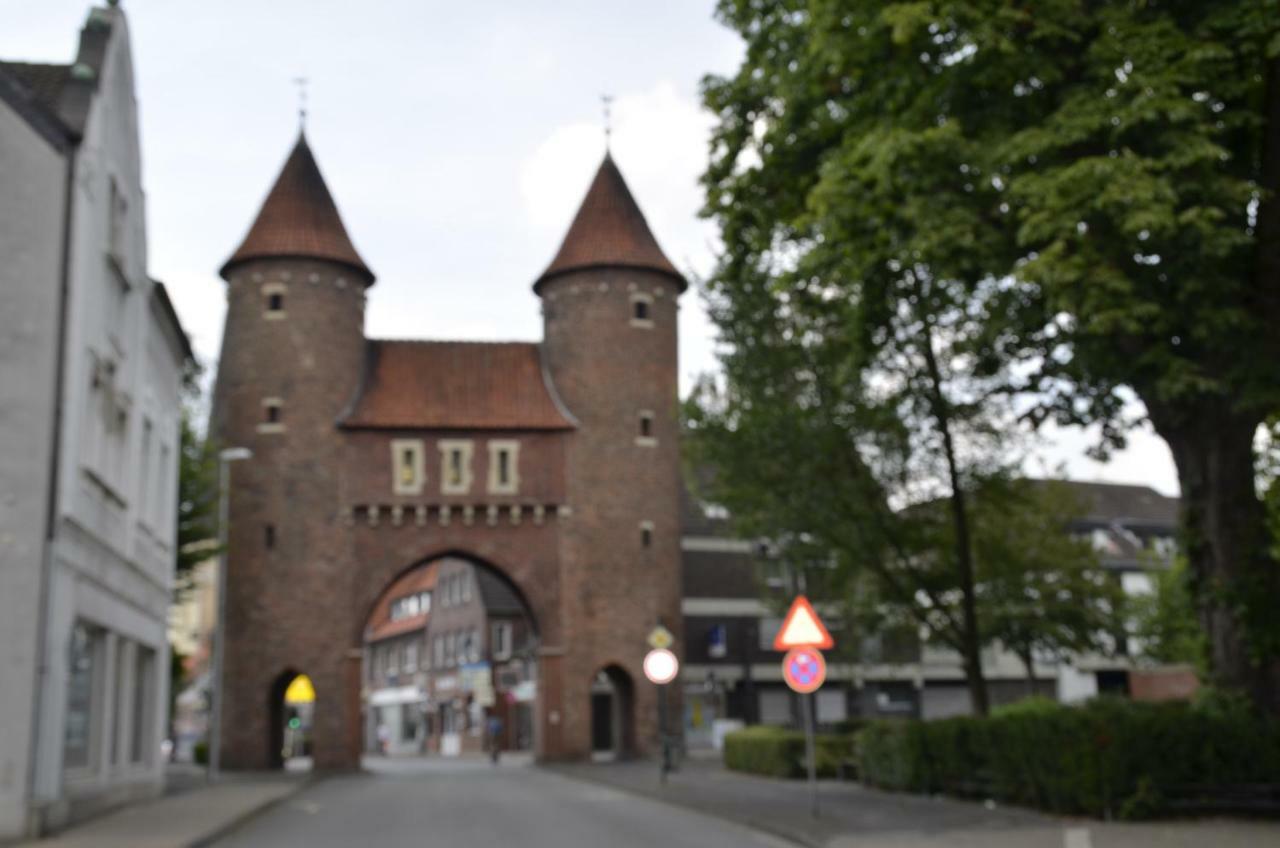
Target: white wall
32, 183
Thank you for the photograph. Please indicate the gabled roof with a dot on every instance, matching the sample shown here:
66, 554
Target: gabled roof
1124, 503
299, 220
456, 386
609, 231
380, 625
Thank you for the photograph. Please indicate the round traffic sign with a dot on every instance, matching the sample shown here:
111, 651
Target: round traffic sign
804, 669
661, 666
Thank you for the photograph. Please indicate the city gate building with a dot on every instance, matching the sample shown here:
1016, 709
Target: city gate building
552, 465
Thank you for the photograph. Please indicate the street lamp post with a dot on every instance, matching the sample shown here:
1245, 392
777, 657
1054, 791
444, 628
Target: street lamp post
225, 458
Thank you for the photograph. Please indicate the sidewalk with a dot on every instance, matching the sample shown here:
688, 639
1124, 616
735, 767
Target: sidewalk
193, 816
852, 815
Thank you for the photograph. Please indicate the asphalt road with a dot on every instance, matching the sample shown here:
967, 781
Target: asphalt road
462, 803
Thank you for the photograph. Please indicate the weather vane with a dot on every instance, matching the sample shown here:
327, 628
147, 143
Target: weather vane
607, 100
301, 83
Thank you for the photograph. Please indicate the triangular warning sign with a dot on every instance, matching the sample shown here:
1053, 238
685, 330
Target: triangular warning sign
802, 628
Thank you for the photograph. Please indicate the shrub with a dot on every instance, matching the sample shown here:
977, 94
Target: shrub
200, 753
1106, 758
779, 752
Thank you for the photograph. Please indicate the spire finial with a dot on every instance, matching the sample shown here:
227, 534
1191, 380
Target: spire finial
301, 83
607, 100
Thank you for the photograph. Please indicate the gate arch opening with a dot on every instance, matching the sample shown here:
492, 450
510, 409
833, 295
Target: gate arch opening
613, 734
291, 714
450, 663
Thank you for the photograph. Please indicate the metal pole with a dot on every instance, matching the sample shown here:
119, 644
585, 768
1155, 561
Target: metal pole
665, 766
807, 706
215, 718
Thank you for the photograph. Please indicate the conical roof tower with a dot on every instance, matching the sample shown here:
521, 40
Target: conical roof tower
299, 220
609, 231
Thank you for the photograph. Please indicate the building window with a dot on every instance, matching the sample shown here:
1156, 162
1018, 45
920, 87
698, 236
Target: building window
117, 232
83, 696
273, 301
642, 310
419, 603
144, 664
644, 434
411, 656
500, 640
455, 471
408, 472
504, 474
272, 416
269, 536
646, 534
450, 649
437, 651
464, 586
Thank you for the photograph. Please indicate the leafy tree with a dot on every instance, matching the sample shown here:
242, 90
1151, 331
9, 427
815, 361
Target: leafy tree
1041, 590
1164, 622
197, 490
1076, 200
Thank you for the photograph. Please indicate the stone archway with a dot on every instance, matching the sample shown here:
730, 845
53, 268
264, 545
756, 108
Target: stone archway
450, 651
612, 711
289, 721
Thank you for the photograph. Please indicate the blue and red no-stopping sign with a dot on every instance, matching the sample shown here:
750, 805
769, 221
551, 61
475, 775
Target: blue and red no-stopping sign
804, 669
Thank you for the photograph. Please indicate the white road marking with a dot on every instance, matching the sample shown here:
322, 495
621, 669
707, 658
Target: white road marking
1076, 837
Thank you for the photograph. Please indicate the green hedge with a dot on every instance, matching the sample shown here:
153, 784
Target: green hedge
779, 752
1109, 758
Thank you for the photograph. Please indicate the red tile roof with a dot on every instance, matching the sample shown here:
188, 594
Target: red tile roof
380, 625
609, 231
458, 386
299, 219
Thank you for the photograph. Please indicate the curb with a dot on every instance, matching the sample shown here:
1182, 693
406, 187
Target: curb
243, 818
803, 841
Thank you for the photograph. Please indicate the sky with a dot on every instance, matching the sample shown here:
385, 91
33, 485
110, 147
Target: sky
457, 139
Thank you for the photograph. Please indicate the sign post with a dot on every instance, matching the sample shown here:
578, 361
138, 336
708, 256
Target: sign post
661, 667
804, 637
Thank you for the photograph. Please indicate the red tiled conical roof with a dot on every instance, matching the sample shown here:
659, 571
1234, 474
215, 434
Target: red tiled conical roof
609, 231
299, 220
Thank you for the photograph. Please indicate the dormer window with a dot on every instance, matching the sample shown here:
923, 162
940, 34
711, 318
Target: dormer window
272, 416
273, 301
642, 310
504, 477
408, 474
455, 470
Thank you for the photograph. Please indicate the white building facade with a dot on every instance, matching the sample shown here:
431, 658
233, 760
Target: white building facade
91, 365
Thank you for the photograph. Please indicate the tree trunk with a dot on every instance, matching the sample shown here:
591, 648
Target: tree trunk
1029, 663
972, 641
1236, 580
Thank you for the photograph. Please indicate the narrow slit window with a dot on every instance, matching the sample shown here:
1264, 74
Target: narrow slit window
640, 310
275, 302
269, 536
455, 467
273, 413
504, 468
646, 425
646, 534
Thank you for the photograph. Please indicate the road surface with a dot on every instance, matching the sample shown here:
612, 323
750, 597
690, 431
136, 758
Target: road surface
463, 803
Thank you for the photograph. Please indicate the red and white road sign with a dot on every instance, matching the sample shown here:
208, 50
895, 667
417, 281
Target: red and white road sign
804, 669
661, 666
802, 628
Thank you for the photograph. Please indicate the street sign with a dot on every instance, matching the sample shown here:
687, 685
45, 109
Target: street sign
802, 628
661, 666
660, 638
804, 669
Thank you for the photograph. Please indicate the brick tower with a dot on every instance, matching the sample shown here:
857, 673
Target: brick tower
292, 355
610, 305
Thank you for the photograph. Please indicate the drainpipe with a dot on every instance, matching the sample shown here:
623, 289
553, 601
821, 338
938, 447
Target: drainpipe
55, 468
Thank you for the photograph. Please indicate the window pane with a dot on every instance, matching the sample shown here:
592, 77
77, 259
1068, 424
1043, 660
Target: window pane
144, 671
86, 644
